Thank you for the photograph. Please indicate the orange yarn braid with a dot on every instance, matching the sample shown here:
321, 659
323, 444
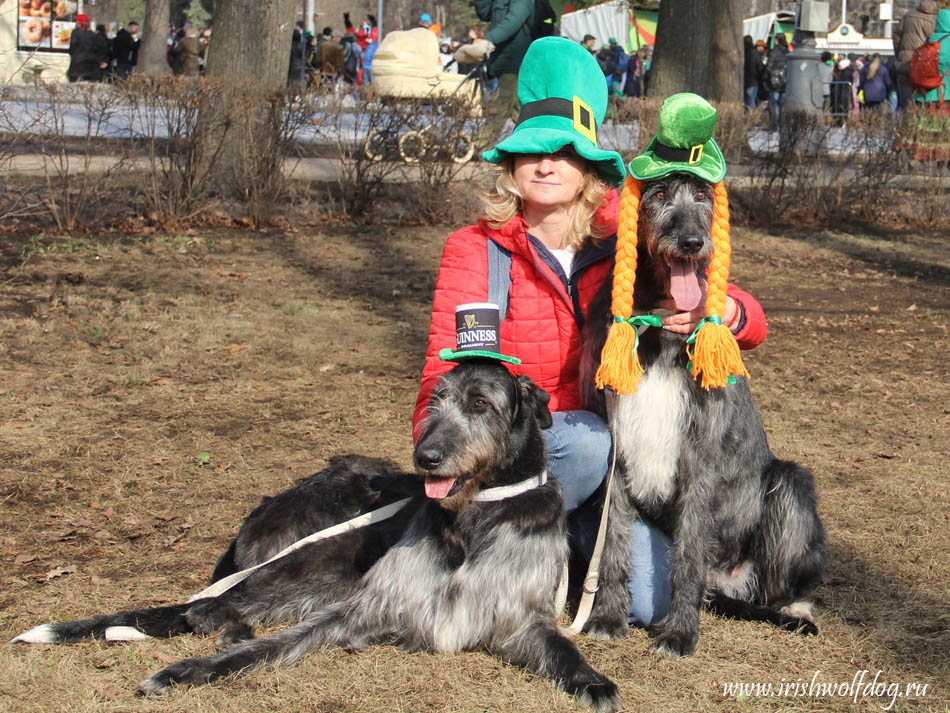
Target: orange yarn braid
715, 353
619, 365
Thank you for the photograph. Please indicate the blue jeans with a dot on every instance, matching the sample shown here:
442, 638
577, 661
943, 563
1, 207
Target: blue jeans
776, 107
578, 449
751, 96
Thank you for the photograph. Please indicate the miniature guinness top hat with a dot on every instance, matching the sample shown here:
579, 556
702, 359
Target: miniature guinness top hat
563, 99
477, 334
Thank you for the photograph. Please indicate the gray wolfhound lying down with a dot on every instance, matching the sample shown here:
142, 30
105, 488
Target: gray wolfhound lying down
695, 462
476, 568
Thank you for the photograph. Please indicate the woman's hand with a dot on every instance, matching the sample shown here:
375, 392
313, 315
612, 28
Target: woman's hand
685, 322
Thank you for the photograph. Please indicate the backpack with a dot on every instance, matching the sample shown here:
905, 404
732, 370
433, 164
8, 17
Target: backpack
778, 77
544, 19
925, 66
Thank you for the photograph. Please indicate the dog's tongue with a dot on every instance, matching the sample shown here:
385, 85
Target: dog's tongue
438, 488
684, 287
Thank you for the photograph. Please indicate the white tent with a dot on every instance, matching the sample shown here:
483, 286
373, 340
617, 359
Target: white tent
609, 19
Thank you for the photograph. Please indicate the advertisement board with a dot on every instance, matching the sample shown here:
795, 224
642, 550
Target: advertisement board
45, 25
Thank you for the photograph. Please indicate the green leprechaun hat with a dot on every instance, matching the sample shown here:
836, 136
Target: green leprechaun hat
563, 99
683, 142
477, 334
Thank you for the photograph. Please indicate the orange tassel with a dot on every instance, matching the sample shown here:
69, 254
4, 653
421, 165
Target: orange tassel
619, 364
715, 355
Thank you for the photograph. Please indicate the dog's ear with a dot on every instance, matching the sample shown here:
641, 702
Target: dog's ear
535, 400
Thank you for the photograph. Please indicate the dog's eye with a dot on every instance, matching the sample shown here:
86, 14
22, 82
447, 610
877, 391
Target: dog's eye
660, 195
701, 195
479, 403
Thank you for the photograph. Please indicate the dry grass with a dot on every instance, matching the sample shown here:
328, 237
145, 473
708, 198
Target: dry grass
124, 358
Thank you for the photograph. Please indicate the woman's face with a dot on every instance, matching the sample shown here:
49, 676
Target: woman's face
550, 180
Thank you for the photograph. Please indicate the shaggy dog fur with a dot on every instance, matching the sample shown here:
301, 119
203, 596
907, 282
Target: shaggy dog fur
444, 574
746, 535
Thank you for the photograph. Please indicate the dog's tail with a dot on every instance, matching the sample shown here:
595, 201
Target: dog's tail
160, 621
225, 565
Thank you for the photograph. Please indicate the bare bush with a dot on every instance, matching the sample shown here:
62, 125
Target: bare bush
67, 124
436, 149
164, 115
365, 137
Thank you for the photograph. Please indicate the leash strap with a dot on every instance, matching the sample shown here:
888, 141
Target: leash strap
592, 580
384, 513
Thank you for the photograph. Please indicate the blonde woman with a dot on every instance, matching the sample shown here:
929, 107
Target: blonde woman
554, 209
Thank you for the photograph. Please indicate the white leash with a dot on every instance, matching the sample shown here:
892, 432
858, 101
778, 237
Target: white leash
374, 516
128, 633
592, 580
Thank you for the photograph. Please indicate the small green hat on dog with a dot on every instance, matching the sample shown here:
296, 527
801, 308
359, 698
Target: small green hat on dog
683, 142
563, 99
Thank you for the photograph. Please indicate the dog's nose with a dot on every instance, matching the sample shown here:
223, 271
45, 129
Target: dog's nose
690, 244
428, 458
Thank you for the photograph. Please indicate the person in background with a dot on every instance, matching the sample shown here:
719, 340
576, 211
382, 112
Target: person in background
633, 86
931, 140
425, 20
185, 53
590, 43
751, 69
109, 72
826, 75
875, 83
776, 72
842, 76
88, 52
918, 24
125, 49
297, 69
446, 61
505, 43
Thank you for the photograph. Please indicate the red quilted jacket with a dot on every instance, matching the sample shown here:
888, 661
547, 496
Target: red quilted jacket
545, 319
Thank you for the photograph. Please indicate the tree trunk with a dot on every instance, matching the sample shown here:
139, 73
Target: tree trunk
152, 54
240, 117
698, 49
251, 40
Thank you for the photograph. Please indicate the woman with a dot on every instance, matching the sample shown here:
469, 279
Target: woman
875, 83
554, 209
931, 140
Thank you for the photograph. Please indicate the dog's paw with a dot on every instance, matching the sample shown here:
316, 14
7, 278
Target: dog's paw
602, 694
675, 644
606, 628
160, 683
805, 627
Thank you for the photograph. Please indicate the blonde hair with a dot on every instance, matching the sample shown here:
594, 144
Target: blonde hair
505, 201
714, 354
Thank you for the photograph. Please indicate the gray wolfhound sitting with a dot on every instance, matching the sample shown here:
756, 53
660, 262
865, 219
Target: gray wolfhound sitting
695, 462
476, 568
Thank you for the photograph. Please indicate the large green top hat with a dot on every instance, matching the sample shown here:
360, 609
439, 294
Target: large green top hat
563, 98
683, 142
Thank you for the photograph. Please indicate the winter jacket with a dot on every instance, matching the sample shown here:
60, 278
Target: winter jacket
185, 57
778, 59
546, 309
87, 50
124, 48
509, 30
915, 28
943, 62
875, 88
364, 38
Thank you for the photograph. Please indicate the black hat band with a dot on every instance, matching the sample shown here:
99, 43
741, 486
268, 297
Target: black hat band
690, 156
576, 110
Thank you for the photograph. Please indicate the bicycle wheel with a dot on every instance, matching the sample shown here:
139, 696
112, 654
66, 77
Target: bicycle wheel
462, 148
412, 146
374, 147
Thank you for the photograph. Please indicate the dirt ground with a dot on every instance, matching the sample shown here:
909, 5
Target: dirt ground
156, 386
